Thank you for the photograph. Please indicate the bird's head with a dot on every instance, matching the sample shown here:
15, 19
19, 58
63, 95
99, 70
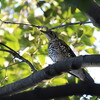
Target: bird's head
50, 34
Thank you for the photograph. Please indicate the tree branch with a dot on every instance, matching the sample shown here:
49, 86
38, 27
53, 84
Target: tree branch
16, 55
51, 71
90, 7
57, 92
23, 24
59, 26
66, 25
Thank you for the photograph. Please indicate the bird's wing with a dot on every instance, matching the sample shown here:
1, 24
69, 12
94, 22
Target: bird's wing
80, 73
68, 50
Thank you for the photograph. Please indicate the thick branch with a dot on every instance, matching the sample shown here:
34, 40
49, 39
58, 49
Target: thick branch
90, 8
57, 92
51, 71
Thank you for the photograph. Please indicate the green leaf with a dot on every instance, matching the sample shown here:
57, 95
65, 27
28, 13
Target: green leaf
3, 3
70, 31
2, 59
11, 40
19, 8
92, 51
71, 79
88, 41
80, 17
58, 81
48, 12
88, 30
33, 20
41, 59
13, 45
80, 33
81, 47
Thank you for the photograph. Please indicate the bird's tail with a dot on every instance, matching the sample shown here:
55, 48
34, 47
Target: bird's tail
82, 74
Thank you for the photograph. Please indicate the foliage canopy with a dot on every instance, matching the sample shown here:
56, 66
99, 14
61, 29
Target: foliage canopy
32, 44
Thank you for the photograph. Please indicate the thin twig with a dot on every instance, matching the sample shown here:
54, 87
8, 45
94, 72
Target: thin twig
8, 22
15, 54
65, 25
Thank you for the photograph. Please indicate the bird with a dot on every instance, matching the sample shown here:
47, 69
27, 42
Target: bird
58, 50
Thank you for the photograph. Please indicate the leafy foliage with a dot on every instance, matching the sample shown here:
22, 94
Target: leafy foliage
32, 44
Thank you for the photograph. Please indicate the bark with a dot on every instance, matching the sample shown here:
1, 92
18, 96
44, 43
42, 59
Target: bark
49, 72
90, 8
57, 92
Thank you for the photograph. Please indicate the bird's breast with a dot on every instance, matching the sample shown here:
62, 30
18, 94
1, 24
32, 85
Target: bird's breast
57, 51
